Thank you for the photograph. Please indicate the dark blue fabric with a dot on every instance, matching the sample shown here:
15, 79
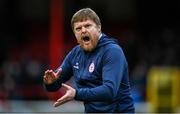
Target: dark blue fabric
101, 77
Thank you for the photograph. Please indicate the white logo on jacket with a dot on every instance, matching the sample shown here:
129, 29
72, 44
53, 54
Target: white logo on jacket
76, 65
91, 67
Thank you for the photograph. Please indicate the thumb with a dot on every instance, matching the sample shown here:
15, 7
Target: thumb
66, 86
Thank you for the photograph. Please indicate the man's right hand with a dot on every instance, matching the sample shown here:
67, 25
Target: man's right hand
50, 76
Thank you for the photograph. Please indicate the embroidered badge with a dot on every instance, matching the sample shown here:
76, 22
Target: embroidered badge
91, 67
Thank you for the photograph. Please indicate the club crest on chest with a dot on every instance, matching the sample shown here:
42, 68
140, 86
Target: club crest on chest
91, 67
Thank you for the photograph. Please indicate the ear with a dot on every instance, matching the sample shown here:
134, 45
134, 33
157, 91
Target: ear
99, 28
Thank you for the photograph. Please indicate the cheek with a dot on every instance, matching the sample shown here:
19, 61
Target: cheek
78, 40
94, 41
95, 32
95, 36
77, 37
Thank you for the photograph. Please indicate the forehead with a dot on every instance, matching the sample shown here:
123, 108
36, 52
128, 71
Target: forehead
83, 22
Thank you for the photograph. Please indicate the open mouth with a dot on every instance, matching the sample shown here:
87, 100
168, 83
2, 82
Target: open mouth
86, 39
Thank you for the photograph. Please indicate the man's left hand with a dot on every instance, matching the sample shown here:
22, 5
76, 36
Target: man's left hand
68, 96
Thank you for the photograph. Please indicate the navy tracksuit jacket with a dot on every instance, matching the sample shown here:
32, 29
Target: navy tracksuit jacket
101, 77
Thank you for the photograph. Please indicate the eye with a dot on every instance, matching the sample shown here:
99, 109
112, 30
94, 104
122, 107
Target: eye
78, 29
87, 25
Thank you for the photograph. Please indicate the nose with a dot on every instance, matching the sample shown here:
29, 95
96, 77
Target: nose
83, 29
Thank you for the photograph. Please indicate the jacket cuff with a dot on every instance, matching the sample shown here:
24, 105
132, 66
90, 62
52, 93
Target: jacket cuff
76, 95
52, 87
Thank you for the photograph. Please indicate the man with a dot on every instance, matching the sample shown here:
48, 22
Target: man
99, 68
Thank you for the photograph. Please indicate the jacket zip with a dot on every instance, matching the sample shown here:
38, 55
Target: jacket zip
84, 65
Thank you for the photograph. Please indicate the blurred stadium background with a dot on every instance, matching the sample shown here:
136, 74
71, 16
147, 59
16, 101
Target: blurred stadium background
35, 35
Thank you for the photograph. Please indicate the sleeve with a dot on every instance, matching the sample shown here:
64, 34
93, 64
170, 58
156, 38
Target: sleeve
64, 76
112, 72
